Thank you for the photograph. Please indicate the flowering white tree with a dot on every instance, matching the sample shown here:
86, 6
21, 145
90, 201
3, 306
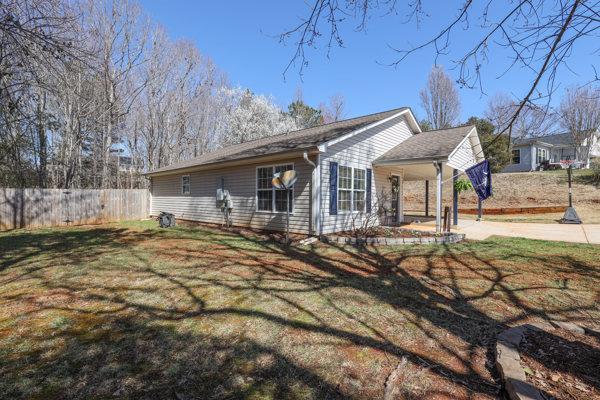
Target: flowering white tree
247, 116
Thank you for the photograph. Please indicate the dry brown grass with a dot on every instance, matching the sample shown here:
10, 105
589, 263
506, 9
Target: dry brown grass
524, 189
131, 311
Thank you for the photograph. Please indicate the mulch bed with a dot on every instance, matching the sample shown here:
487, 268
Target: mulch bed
389, 232
562, 364
262, 234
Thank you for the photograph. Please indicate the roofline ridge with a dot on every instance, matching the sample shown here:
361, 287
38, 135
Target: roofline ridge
454, 127
300, 130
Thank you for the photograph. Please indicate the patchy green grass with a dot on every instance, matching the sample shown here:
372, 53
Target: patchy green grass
131, 311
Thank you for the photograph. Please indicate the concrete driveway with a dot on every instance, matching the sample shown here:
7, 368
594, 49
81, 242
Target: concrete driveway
558, 232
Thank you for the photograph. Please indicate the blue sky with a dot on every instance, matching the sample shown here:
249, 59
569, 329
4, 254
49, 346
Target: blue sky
238, 36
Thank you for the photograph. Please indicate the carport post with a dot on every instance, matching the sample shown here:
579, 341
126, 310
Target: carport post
454, 199
438, 200
427, 198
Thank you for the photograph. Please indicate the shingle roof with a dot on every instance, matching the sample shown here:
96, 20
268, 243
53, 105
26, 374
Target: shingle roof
560, 139
427, 145
297, 140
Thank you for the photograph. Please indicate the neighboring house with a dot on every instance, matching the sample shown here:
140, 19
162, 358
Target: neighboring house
342, 167
529, 153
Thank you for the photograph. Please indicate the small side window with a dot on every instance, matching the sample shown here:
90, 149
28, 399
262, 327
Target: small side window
185, 184
516, 156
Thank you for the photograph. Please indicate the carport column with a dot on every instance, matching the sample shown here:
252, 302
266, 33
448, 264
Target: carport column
427, 198
454, 198
438, 200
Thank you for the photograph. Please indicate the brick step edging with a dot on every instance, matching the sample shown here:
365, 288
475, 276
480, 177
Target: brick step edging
379, 241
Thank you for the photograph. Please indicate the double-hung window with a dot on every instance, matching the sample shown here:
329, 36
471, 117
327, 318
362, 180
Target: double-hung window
185, 184
269, 198
352, 183
516, 156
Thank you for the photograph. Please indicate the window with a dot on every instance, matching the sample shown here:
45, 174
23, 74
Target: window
185, 184
352, 183
516, 156
541, 155
264, 189
360, 184
268, 198
344, 189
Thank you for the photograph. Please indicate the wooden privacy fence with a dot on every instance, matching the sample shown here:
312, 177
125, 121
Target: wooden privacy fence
27, 208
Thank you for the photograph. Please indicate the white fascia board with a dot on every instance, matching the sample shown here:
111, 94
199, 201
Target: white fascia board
412, 161
473, 137
410, 117
461, 143
265, 158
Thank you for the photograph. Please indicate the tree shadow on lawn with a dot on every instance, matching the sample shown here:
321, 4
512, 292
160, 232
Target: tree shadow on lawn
74, 244
449, 309
139, 349
104, 357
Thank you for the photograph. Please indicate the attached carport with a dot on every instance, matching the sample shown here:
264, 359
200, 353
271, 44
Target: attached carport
439, 156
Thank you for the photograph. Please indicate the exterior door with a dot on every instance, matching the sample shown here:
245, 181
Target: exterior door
395, 184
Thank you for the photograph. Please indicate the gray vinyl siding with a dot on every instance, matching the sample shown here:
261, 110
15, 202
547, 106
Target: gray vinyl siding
200, 204
526, 163
359, 151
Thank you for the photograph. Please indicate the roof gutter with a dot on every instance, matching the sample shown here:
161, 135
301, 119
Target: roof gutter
412, 161
233, 163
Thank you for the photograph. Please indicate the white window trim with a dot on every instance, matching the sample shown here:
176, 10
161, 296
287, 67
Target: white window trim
189, 185
352, 210
256, 189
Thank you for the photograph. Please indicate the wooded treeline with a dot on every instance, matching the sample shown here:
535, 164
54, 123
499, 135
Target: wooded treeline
93, 93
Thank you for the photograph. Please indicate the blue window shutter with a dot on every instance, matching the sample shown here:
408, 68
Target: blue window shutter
368, 190
333, 178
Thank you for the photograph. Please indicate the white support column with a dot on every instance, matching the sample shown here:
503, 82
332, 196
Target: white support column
438, 198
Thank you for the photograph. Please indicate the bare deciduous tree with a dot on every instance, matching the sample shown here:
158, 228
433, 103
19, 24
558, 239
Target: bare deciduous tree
539, 35
440, 99
533, 120
580, 115
333, 110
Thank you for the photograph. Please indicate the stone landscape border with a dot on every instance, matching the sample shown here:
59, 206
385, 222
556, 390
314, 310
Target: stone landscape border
508, 360
387, 241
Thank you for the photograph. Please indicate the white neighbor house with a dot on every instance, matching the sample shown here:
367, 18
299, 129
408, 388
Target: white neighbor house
529, 154
341, 168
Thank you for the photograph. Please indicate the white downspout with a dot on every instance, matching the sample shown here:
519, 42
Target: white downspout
315, 188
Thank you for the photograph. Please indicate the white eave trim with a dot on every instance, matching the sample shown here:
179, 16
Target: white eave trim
409, 116
234, 163
475, 145
410, 161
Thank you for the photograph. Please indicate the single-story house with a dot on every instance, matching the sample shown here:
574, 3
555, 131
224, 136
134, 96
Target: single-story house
529, 153
343, 169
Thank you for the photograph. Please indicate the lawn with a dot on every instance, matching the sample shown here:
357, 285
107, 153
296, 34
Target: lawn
131, 311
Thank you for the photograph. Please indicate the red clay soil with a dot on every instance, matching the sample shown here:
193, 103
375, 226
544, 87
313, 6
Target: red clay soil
562, 364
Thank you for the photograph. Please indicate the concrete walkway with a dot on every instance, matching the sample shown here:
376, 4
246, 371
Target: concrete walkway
557, 232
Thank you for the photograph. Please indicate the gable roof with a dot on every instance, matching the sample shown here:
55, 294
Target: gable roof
300, 140
559, 139
429, 145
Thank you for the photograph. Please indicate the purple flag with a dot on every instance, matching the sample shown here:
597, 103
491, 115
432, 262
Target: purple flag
481, 178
